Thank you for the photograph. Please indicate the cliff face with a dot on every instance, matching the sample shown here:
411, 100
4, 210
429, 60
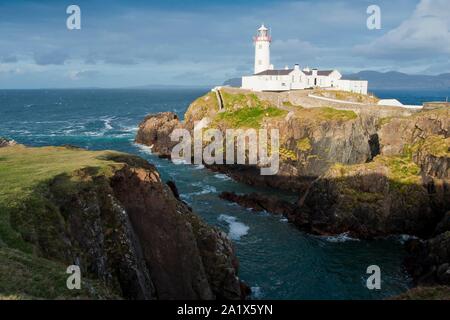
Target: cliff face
403, 190
111, 214
312, 139
369, 171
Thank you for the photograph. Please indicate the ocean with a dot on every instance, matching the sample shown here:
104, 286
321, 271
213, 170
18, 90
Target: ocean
276, 260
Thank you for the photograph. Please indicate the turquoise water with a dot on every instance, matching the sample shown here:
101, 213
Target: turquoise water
276, 260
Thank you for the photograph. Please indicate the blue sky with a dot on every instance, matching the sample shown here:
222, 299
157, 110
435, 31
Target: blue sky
204, 42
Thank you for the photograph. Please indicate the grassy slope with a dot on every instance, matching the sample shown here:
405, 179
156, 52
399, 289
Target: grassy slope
24, 175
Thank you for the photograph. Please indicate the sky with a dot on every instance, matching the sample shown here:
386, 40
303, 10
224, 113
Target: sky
204, 42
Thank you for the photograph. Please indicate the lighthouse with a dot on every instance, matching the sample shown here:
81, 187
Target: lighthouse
262, 42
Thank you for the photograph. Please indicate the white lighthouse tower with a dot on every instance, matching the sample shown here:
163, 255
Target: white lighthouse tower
262, 42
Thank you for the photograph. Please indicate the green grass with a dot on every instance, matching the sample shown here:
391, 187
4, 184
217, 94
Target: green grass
25, 276
250, 117
325, 114
304, 144
202, 107
435, 145
34, 183
335, 114
287, 154
290, 104
402, 172
24, 177
382, 121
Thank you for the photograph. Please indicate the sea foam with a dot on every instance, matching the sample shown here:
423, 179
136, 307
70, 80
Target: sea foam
343, 237
237, 229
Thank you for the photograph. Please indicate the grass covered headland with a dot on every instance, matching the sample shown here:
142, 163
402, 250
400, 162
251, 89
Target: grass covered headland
33, 181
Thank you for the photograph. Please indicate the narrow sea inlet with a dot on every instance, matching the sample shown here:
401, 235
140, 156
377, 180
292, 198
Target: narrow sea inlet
276, 260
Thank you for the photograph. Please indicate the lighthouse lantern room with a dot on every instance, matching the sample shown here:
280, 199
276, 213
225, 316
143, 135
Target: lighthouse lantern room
262, 42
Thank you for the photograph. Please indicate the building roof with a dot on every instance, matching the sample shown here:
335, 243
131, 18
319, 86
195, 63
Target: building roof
281, 72
285, 72
319, 72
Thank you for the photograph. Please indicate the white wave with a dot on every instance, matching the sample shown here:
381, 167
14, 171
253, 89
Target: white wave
237, 229
284, 220
143, 148
206, 189
129, 129
222, 176
93, 133
343, 237
403, 238
179, 161
107, 123
199, 167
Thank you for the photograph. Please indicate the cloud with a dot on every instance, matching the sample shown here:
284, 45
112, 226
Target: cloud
136, 42
9, 59
49, 58
82, 75
426, 33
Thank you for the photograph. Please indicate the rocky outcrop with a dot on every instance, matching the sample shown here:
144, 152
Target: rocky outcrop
6, 143
377, 199
111, 214
260, 202
312, 139
187, 259
155, 130
425, 293
429, 261
396, 134
369, 172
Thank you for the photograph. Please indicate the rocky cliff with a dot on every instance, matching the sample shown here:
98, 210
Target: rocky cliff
366, 170
110, 214
312, 139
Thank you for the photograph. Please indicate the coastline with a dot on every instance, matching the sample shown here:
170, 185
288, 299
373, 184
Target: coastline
202, 194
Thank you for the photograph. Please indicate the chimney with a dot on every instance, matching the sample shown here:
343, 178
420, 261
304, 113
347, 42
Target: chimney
314, 72
296, 67
271, 67
286, 67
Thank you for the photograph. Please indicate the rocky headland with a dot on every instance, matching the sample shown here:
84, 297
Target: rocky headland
112, 215
363, 169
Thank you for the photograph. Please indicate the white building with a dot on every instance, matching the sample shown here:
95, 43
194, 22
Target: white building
266, 78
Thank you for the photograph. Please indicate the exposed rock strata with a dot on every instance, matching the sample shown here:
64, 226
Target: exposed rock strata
368, 171
123, 226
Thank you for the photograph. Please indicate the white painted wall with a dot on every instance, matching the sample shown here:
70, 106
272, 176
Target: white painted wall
356, 86
297, 80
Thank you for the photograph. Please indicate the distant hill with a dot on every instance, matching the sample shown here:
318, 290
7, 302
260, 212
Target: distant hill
164, 86
398, 80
